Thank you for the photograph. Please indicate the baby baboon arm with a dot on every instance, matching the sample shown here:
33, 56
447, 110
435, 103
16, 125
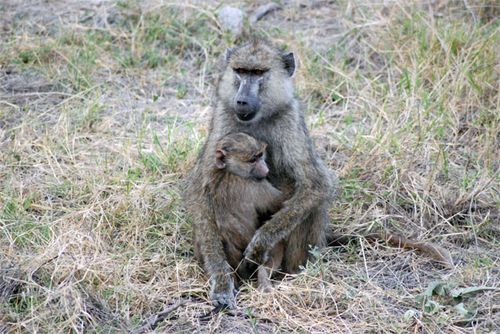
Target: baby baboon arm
265, 271
269, 198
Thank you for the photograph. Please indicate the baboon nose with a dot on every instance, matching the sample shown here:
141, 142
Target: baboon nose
246, 107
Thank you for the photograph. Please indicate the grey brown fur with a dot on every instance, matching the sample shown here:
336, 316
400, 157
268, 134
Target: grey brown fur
255, 95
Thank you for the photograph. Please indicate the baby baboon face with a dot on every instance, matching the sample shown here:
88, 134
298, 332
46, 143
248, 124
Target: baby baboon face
242, 155
257, 81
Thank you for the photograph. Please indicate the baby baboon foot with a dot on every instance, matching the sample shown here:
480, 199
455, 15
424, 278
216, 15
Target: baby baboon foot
266, 287
264, 281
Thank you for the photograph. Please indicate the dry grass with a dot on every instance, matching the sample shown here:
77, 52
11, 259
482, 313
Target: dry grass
104, 105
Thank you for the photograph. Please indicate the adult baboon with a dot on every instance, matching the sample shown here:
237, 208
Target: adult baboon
242, 200
255, 95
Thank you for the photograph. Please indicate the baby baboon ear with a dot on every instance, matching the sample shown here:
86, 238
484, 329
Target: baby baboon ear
289, 62
220, 156
228, 54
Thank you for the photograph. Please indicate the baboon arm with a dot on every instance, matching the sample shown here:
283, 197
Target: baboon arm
215, 262
214, 257
283, 222
313, 187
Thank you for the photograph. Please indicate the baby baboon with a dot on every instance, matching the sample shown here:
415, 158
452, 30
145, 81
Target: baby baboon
255, 95
242, 199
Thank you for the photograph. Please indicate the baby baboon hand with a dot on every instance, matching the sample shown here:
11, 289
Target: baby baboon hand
222, 291
257, 250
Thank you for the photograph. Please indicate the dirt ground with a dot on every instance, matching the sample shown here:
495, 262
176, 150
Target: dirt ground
105, 104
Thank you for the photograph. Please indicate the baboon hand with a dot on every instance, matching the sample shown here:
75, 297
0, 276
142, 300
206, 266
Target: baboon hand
257, 250
222, 291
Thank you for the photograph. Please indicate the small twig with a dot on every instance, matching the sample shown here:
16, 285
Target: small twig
35, 94
33, 272
224, 309
10, 105
364, 260
153, 321
216, 310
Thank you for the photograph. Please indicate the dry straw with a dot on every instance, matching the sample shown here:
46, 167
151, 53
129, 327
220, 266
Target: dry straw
104, 105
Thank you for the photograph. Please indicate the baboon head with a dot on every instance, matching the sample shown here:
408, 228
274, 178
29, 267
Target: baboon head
242, 155
257, 81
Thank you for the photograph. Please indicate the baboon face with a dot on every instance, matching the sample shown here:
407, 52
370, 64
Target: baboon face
257, 81
242, 155
247, 101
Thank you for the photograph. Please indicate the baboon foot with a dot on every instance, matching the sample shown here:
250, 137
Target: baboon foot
222, 291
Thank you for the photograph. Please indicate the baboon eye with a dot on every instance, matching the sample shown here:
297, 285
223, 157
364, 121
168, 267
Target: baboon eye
240, 70
243, 71
259, 155
259, 72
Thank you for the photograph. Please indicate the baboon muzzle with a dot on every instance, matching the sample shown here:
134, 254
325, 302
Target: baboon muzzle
246, 101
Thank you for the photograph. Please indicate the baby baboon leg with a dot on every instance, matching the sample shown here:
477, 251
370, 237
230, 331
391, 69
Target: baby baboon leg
265, 272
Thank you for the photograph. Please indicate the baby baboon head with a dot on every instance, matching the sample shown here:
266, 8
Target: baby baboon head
242, 155
257, 81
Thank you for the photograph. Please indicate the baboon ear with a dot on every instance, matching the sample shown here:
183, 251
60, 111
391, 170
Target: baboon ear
228, 54
219, 159
289, 62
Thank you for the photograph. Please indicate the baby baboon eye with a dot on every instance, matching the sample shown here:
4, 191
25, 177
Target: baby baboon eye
256, 157
253, 159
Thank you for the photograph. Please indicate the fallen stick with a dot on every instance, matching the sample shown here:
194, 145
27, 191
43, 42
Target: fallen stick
153, 320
